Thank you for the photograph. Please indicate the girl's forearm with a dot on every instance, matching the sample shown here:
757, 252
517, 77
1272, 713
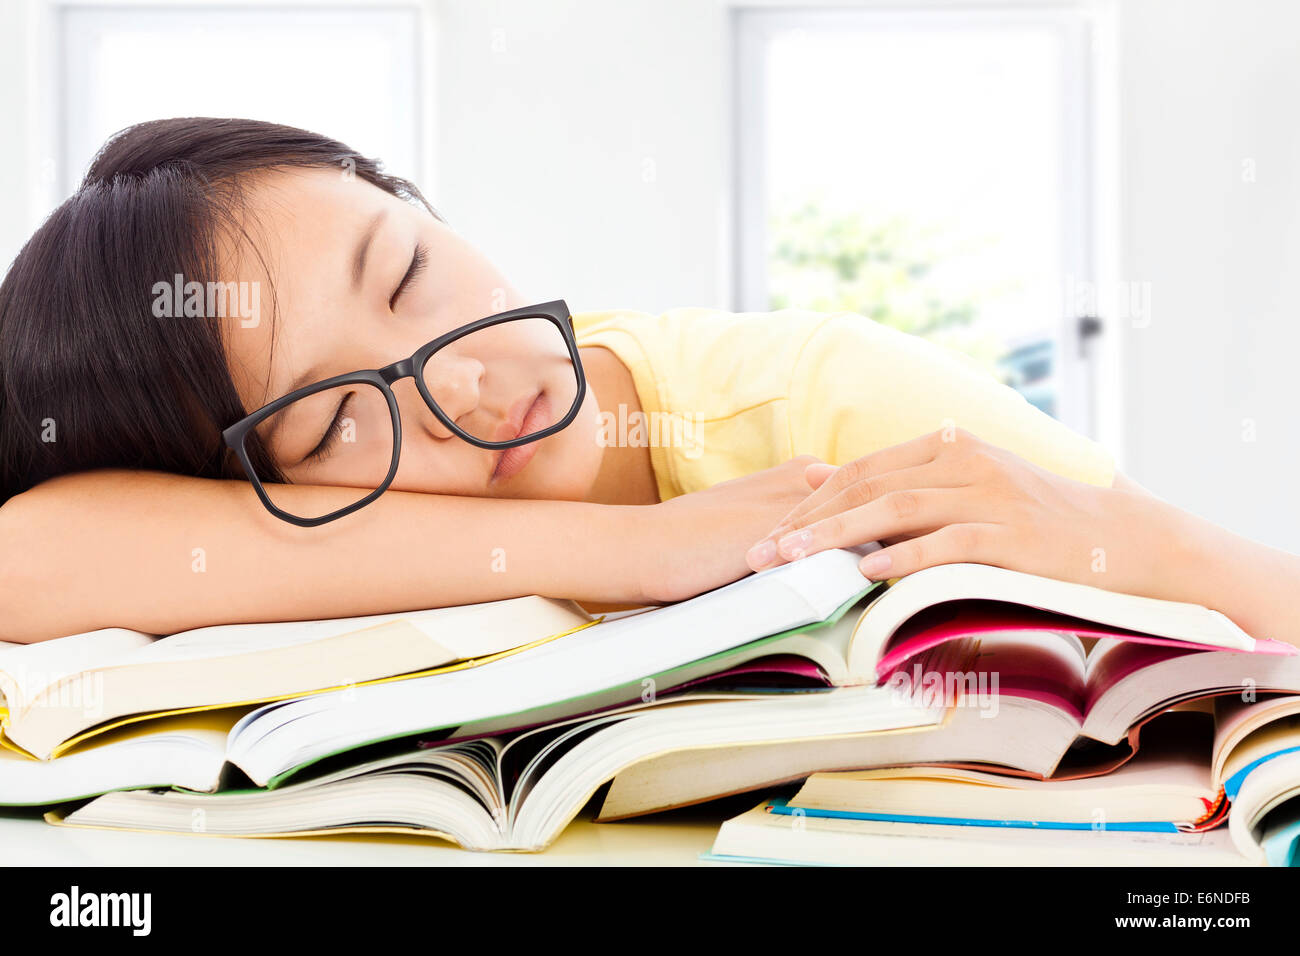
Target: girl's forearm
1255, 585
163, 553
1186, 558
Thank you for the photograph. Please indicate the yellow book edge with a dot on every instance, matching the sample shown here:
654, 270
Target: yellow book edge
466, 664
4, 741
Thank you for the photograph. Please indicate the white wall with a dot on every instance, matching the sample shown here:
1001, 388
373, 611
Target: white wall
17, 171
582, 144
1209, 86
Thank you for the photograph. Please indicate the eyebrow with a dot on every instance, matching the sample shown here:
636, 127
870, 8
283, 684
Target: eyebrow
363, 248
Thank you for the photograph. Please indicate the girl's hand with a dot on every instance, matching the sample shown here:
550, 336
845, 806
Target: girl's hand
949, 497
696, 542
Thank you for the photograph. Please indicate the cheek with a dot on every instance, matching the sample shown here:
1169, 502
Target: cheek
436, 467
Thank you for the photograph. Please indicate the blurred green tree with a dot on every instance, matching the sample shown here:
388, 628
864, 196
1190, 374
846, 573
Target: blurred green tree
831, 259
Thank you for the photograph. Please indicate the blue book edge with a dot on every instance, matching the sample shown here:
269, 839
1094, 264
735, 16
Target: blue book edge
783, 807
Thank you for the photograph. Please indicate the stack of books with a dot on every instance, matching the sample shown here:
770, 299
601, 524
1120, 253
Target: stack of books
971, 705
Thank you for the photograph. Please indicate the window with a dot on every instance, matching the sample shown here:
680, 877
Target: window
350, 73
928, 169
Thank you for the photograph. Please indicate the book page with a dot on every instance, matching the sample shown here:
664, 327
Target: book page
223, 640
466, 631
27, 669
1095, 610
1246, 732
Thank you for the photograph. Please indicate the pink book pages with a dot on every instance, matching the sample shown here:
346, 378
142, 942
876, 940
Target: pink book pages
968, 619
1120, 662
1010, 667
1034, 687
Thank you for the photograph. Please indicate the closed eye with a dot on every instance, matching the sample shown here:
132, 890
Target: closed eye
419, 259
333, 432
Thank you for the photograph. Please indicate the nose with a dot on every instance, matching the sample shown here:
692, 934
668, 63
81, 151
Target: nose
454, 384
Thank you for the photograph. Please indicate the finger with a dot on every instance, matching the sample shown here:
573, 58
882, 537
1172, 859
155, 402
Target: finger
909, 454
929, 475
899, 512
764, 553
974, 542
817, 473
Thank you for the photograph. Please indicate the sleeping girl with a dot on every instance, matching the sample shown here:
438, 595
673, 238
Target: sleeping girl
393, 425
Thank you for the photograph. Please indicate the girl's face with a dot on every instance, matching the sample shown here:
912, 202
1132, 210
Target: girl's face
361, 279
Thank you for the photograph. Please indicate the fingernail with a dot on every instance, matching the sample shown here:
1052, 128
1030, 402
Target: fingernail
795, 545
761, 553
875, 565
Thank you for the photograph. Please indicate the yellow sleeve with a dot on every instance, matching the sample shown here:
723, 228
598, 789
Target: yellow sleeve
858, 386
717, 380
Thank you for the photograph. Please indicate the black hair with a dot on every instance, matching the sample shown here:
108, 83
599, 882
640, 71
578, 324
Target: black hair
90, 378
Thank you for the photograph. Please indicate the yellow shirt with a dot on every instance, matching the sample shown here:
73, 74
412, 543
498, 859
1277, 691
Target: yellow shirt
725, 394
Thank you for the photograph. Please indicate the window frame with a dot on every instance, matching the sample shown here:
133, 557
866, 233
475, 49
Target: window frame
59, 113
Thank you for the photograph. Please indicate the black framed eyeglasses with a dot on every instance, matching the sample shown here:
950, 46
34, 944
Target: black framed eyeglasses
529, 355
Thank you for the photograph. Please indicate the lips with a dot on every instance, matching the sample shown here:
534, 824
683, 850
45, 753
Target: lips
532, 415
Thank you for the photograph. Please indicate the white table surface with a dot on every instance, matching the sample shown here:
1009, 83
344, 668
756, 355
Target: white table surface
27, 840
671, 839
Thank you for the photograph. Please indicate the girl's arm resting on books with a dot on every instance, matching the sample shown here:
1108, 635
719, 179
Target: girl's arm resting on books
938, 501
163, 553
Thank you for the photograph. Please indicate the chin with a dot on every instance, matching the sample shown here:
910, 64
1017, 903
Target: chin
568, 484
557, 473
570, 475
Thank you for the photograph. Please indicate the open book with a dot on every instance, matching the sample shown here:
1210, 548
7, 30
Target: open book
762, 836
1034, 702
958, 592
1257, 755
495, 793
55, 693
1169, 787
1264, 814
1233, 758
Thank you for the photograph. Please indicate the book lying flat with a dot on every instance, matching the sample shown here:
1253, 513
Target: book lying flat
1169, 787
763, 837
496, 793
56, 693
1033, 702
